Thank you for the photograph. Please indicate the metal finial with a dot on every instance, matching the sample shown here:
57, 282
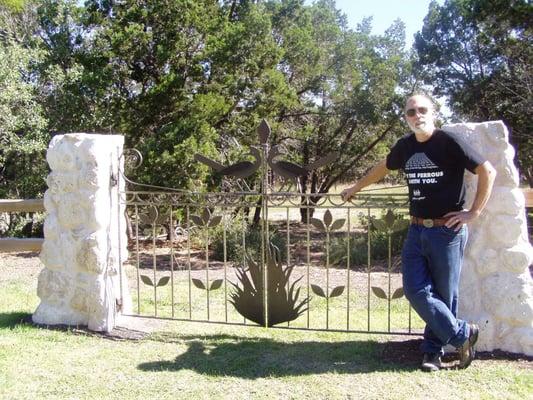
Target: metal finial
264, 131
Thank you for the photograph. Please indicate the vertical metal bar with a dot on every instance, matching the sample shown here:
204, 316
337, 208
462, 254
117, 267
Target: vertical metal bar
368, 254
308, 266
207, 269
409, 318
288, 255
264, 228
189, 258
327, 278
263, 263
119, 231
389, 265
154, 266
225, 270
137, 259
348, 269
244, 229
172, 233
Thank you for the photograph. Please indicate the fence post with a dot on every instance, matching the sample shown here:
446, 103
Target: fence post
496, 285
80, 284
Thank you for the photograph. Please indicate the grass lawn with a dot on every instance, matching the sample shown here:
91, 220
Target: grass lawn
178, 360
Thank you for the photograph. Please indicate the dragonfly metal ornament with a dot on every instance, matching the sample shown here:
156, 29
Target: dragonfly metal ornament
289, 171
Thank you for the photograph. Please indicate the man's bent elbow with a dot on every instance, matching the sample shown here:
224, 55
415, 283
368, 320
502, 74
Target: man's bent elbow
487, 170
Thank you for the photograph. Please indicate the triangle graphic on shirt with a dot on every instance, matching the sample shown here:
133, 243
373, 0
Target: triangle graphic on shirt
419, 161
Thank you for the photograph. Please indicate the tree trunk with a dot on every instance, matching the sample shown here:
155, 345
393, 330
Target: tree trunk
257, 213
129, 229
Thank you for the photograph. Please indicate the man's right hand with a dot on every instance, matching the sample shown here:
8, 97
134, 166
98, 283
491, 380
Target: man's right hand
377, 173
348, 193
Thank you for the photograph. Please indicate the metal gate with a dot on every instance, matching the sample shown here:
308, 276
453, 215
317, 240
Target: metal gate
310, 261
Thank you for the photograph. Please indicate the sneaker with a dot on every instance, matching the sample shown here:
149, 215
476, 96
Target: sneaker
431, 362
467, 351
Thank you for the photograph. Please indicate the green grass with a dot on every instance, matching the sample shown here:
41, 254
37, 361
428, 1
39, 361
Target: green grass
212, 361
340, 316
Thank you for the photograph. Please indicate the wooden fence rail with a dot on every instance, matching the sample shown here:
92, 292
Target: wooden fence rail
36, 205
19, 205
15, 206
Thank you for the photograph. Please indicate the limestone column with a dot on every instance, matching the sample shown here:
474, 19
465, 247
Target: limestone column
85, 234
496, 289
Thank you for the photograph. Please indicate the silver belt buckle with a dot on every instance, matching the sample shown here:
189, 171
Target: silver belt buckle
428, 223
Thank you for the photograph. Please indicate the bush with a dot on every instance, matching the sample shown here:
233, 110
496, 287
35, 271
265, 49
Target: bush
379, 247
379, 244
235, 250
22, 225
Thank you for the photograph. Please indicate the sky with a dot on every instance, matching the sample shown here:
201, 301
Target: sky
384, 12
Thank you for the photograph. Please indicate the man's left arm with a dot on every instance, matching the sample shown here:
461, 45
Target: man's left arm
486, 175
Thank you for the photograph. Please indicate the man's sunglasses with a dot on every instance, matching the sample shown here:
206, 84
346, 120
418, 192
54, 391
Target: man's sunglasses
412, 111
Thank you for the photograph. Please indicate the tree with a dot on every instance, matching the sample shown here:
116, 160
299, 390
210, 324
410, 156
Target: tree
185, 76
23, 135
479, 55
347, 87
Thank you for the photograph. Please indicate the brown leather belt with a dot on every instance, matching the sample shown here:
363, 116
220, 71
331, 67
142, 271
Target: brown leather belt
428, 222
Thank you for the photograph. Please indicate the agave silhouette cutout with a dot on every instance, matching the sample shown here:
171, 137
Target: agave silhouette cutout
283, 304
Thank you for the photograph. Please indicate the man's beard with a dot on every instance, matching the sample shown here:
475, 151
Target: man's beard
424, 127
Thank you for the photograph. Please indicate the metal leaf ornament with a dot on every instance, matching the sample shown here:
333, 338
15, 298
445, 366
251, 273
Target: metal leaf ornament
328, 218
318, 290
379, 292
327, 224
197, 220
198, 283
216, 284
318, 224
397, 293
146, 280
264, 131
389, 222
336, 292
206, 219
152, 216
248, 297
162, 282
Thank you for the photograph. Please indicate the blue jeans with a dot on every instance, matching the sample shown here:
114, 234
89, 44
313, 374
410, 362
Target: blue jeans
431, 267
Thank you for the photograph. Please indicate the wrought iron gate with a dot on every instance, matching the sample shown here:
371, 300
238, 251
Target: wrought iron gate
199, 256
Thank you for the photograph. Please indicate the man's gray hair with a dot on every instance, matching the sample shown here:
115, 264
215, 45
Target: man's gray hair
425, 96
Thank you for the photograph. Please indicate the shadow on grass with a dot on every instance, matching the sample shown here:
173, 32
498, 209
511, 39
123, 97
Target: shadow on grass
10, 320
226, 355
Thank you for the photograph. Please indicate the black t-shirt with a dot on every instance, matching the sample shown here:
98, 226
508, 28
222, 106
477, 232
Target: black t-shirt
434, 172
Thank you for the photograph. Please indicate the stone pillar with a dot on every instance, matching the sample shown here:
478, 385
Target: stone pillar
496, 289
85, 237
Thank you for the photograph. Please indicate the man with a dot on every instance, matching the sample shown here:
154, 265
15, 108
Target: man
434, 164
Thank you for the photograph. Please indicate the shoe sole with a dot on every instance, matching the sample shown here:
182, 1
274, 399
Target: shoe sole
471, 342
430, 368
